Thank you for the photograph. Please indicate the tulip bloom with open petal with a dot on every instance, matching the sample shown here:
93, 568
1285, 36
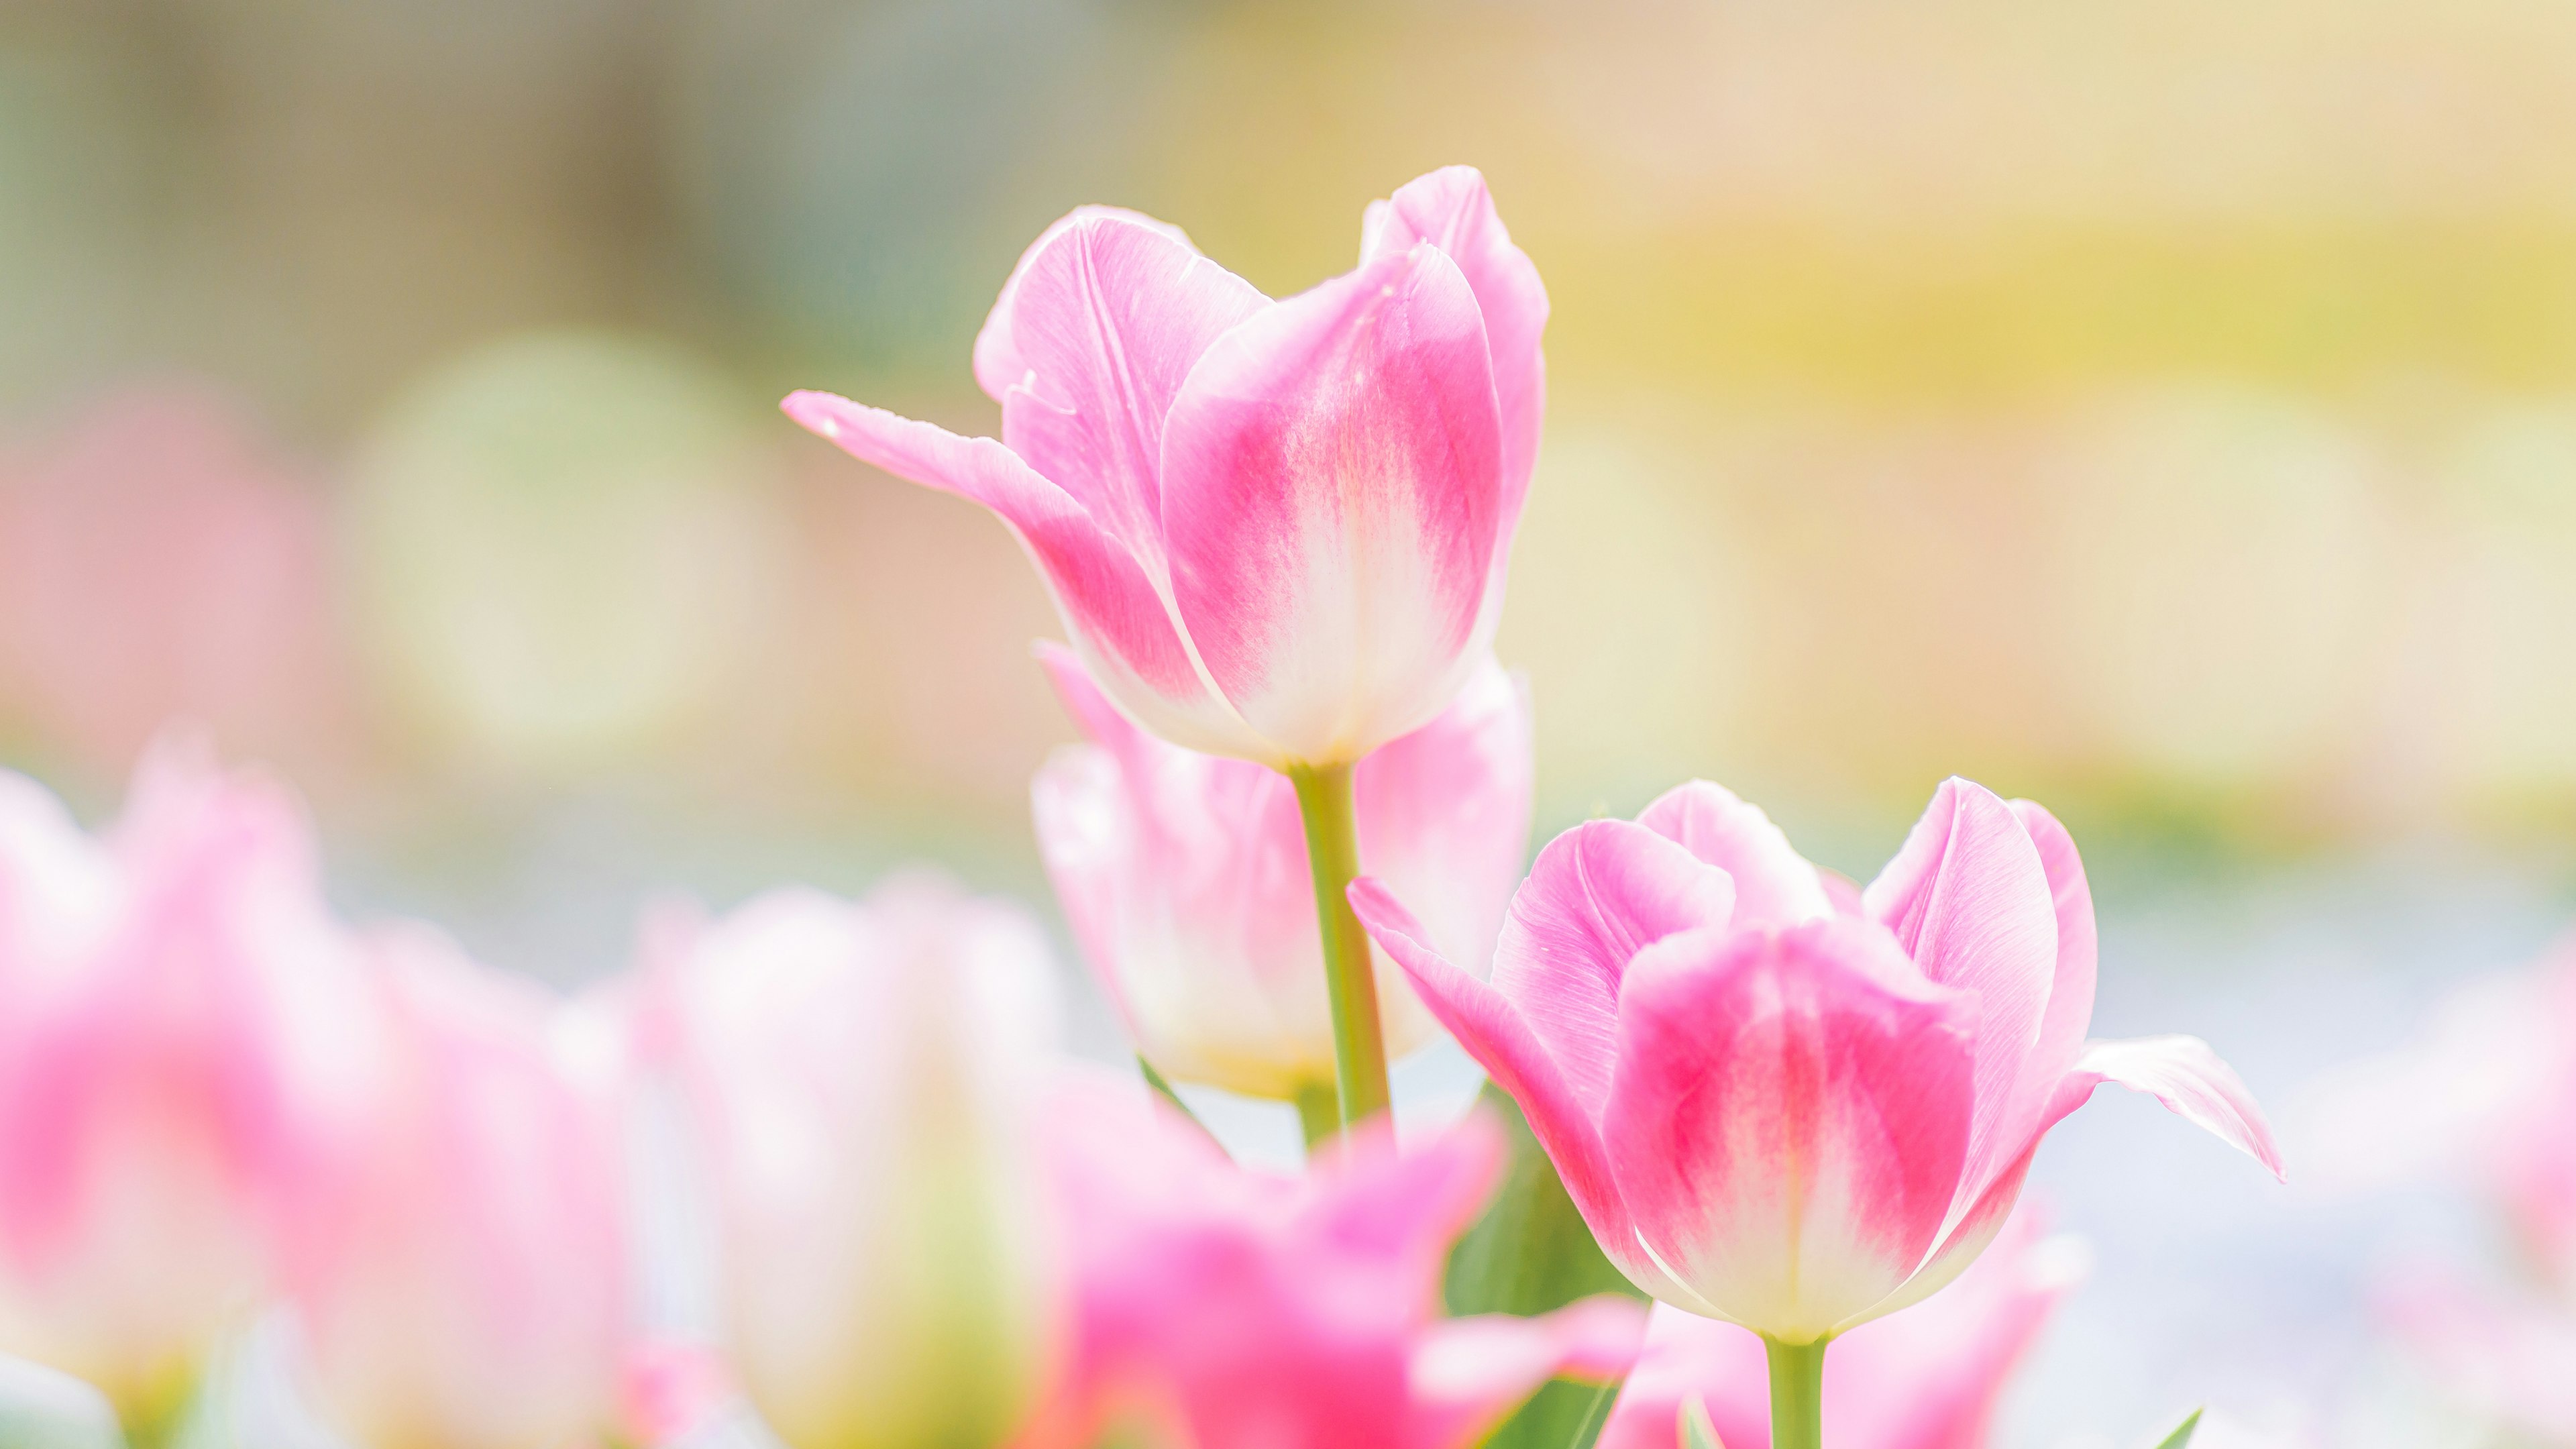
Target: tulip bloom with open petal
180, 1026
1224, 1309
1274, 529
1927, 1378
1784, 1112
1185, 877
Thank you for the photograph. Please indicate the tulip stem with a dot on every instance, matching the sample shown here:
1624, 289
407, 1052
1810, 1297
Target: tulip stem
1333, 852
1797, 1393
1319, 1111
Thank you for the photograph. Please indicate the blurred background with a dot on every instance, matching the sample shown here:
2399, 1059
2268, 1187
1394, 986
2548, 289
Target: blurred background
2162, 408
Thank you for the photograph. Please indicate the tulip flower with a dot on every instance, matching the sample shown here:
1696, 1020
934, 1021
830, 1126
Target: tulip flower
1274, 530
1927, 1378
1223, 1309
1184, 876
1784, 1114
460, 1283
858, 1075
180, 1026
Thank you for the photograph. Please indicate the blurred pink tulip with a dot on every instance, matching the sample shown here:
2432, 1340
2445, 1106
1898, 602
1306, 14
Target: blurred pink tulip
1781, 1114
182, 1029
158, 561
1274, 530
460, 1282
859, 1075
1186, 881
1221, 1309
1927, 1378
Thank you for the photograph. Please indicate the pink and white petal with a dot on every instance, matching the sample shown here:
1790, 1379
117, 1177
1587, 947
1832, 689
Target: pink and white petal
1108, 318
1451, 209
1961, 1242
1466, 1374
1402, 1209
1689, 1357
2070, 995
1968, 898
1490, 1028
1444, 814
1774, 885
1331, 503
1118, 623
1597, 895
999, 365
2184, 1074
1789, 1118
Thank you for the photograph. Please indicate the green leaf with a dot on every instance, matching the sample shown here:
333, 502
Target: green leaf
1697, 1431
1530, 1253
2180, 1438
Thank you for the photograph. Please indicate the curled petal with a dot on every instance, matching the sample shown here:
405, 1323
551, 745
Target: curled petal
2070, 996
999, 365
1451, 209
1968, 898
2184, 1074
1597, 895
1107, 316
1331, 482
1789, 1119
1118, 623
1774, 885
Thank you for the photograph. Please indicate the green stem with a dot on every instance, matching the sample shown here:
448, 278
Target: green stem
1797, 1394
1319, 1111
1333, 852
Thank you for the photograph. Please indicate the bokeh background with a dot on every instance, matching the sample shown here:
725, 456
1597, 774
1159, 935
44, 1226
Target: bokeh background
2162, 408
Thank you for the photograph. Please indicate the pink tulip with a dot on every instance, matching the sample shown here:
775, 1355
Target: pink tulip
460, 1283
1927, 1378
859, 1076
1781, 1114
181, 1026
1274, 530
1221, 1309
1185, 877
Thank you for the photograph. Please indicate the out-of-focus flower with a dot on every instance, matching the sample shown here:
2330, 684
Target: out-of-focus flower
1216, 1308
1274, 530
182, 1029
1927, 1378
2488, 1094
859, 1073
460, 1281
1782, 1113
158, 561
2504, 1355
1185, 877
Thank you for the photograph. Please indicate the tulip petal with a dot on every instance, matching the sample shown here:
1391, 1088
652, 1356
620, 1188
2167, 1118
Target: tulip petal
1968, 898
1490, 1028
999, 365
1117, 621
1789, 1120
1107, 317
1451, 209
1597, 895
2070, 994
1467, 1373
2184, 1074
1331, 480
1774, 885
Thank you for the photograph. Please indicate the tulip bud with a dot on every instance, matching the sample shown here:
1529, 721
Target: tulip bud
180, 1026
460, 1282
1186, 880
859, 1075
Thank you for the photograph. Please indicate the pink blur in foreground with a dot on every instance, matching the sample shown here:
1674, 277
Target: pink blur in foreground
1185, 877
182, 1037
1273, 529
1224, 1309
1779, 1103
1927, 1378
